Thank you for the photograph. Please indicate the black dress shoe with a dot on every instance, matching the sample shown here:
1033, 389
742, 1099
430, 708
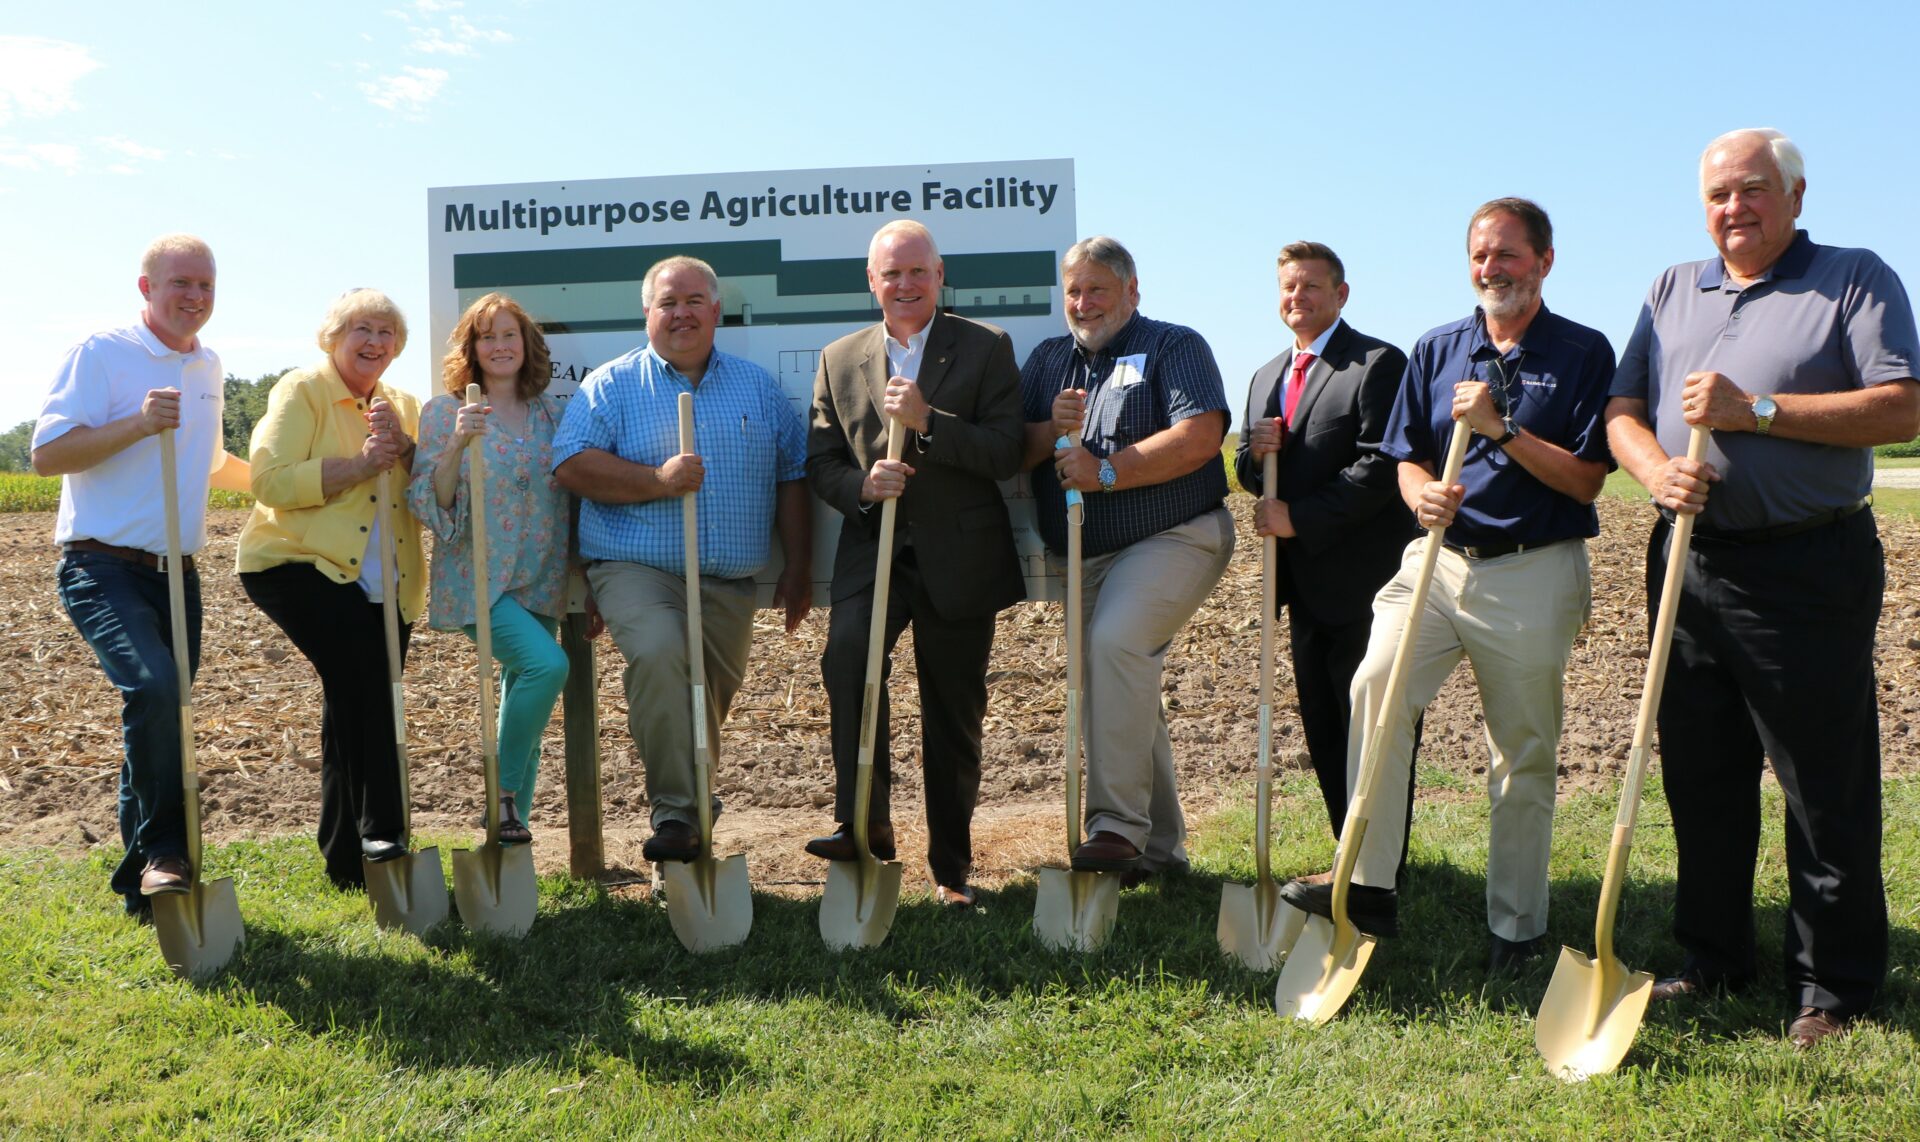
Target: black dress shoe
1513, 956
672, 840
381, 851
1106, 852
1375, 911
839, 844
1693, 981
1814, 1024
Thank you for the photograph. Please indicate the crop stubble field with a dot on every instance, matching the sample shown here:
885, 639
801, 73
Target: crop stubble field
257, 714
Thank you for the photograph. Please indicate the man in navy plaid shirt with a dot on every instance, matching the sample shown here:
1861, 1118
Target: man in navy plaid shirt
618, 449
1157, 536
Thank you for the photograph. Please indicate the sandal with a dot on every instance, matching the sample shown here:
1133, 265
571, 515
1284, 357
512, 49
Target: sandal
513, 831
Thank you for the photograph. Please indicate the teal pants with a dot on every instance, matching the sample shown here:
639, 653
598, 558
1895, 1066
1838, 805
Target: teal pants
533, 670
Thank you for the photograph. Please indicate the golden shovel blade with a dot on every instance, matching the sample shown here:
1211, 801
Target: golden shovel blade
856, 910
709, 902
496, 889
1075, 911
409, 892
1257, 927
1590, 1015
199, 928
1322, 970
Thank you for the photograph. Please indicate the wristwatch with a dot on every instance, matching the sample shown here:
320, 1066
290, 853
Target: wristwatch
1511, 430
1107, 475
1764, 410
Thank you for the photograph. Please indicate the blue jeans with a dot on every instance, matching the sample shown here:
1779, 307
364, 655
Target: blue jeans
533, 672
121, 609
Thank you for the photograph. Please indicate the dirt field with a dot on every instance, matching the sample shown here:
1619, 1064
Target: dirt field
257, 712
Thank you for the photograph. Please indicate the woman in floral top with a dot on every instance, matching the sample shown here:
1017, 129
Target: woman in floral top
498, 346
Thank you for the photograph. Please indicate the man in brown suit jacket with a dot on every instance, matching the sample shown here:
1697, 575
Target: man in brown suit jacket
955, 388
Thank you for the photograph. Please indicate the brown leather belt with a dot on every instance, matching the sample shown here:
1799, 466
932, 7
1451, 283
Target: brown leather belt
145, 559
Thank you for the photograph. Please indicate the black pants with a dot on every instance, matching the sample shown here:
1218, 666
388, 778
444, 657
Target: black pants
1773, 658
1325, 656
341, 634
950, 658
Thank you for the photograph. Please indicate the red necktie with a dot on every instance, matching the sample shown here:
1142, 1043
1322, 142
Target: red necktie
1296, 383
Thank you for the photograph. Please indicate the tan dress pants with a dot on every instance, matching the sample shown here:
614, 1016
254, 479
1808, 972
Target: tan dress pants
645, 609
1135, 600
1514, 618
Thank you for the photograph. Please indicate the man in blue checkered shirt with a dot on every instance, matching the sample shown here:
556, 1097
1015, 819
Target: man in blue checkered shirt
618, 449
1157, 534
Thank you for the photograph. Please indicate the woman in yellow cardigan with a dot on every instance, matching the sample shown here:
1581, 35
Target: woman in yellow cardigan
310, 558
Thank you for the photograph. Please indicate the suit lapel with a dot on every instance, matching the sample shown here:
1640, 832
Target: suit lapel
873, 392
1318, 374
937, 358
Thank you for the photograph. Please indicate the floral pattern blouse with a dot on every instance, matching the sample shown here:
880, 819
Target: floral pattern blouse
527, 515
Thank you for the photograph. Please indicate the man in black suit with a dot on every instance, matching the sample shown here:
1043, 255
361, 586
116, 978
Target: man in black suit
1323, 406
955, 388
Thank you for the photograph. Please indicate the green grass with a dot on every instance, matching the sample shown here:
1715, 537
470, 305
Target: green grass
599, 1025
26, 492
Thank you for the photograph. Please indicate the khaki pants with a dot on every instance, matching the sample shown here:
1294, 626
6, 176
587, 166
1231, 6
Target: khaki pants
645, 609
1135, 600
1514, 618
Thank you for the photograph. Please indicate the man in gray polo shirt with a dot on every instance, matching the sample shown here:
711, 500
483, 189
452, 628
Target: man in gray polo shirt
1800, 358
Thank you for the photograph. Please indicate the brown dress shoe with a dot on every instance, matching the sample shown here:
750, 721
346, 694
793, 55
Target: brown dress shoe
1106, 852
1812, 1025
672, 840
955, 895
164, 875
1692, 983
839, 844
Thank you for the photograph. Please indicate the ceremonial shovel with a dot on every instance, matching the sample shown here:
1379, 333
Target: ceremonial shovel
198, 928
1256, 926
709, 901
856, 910
1074, 910
493, 886
408, 891
1325, 965
1593, 1007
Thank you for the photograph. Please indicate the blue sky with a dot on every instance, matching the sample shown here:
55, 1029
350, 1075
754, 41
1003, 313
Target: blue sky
301, 139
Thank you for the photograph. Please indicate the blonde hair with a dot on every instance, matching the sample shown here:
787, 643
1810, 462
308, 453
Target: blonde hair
357, 303
903, 226
458, 369
172, 244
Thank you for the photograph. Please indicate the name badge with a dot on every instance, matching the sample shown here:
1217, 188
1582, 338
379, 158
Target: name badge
1129, 371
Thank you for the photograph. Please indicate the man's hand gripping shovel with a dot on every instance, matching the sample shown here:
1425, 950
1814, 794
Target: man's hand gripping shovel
709, 902
494, 885
1257, 927
199, 928
1327, 961
1074, 910
857, 908
1593, 1007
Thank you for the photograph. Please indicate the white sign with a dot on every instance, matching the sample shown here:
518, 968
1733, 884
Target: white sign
790, 249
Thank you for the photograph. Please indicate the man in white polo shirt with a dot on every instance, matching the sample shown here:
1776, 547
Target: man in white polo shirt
114, 393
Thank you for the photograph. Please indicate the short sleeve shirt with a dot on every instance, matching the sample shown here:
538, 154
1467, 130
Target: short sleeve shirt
1822, 319
746, 432
1151, 376
106, 378
1554, 384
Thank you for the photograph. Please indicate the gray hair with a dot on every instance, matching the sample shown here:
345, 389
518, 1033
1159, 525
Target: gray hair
1786, 156
1103, 250
902, 226
353, 305
678, 262
172, 244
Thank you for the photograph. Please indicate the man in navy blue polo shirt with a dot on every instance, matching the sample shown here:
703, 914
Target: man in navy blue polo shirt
1511, 588
1157, 534
1800, 358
